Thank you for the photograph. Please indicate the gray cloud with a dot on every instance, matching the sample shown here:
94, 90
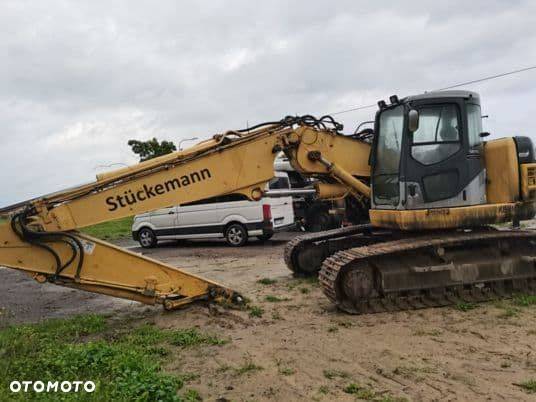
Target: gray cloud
80, 79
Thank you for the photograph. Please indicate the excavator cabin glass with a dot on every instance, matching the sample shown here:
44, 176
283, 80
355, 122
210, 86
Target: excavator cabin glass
387, 162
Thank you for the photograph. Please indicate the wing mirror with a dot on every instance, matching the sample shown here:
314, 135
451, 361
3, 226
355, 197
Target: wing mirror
413, 120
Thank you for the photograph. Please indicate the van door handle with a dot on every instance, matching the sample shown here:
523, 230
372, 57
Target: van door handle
171, 212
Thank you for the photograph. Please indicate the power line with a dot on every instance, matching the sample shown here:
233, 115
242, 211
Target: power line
491, 77
353, 109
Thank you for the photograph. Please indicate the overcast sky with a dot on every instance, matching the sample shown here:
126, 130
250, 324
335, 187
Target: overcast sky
78, 79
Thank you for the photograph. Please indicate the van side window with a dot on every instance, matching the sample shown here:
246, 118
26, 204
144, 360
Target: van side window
222, 198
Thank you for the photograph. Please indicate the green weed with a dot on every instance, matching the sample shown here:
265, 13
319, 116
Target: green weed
266, 281
462, 306
192, 337
256, 311
525, 300
247, 367
331, 374
275, 299
287, 371
529, 386
360, 392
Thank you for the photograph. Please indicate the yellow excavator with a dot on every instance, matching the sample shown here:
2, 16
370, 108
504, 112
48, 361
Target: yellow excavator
433, 187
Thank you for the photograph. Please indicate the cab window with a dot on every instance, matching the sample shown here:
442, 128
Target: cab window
438, 135
474, 122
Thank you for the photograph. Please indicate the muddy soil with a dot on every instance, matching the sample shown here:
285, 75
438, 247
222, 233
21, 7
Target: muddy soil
299, 347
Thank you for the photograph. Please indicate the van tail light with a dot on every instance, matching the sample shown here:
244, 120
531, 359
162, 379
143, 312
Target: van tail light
267, 212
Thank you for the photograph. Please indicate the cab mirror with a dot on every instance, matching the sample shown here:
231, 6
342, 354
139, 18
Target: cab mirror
413, 120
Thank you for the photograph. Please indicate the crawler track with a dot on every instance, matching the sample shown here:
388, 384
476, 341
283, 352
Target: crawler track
429, 271
318, 246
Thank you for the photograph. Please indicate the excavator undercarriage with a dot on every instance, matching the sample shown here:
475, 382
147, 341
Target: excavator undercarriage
369, 270
435, 269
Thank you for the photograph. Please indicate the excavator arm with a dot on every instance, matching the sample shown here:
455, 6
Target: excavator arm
41, 235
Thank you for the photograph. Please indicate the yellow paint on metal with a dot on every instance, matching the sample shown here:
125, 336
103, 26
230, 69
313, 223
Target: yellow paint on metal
243, 166
528, 181
107, 269
349, 154
502, 171
327, 191
449, 218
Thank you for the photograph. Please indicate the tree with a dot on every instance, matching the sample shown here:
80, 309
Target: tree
151, 148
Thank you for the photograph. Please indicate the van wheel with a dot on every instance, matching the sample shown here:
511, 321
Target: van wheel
236, 235
265, 237
147, 238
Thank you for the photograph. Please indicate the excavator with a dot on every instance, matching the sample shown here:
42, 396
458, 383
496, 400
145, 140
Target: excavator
440, 200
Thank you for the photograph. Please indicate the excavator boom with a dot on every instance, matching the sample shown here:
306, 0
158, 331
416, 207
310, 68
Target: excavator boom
41, 237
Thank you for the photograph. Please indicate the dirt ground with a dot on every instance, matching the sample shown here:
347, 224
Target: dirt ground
301, 347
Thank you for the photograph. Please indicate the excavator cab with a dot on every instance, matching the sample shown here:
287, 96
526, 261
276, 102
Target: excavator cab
429, 155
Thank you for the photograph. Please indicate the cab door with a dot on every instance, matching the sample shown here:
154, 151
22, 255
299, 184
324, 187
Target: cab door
441, 168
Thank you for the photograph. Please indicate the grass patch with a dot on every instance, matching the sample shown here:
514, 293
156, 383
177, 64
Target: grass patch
266, 281
360, 392
323, 389
275, 299
528, 386
287, 371
525, 300
256, 311
414, 373
247, 367
368, 394
310, 280
331, 374
276, 315
192, 396
304, 290
462, 306
192, 337
509, 312
424, 332
113, 230
125, 364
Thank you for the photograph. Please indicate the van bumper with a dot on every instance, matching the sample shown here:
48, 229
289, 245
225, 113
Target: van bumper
284, 227
260, 228
135, 235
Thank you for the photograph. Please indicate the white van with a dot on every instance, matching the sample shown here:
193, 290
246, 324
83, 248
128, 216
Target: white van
232, 217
